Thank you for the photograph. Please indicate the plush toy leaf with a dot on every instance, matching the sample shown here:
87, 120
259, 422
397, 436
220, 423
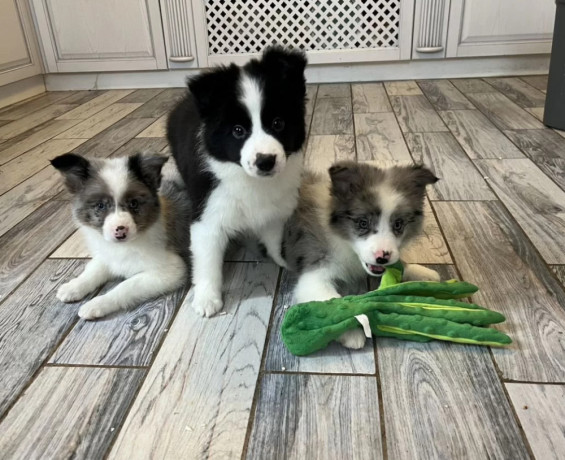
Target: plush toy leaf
419, 311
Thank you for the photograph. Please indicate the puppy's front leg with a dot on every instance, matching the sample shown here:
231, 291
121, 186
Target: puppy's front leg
415, 272
95, 274
318, 285
271, 235
135, 290
208, 246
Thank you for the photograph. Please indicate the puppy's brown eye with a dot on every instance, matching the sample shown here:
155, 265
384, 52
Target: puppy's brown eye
238, 132
100, 205
398, 225
363, 223
133, 204
278, 124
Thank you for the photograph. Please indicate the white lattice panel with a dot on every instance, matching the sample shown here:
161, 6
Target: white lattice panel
247, 26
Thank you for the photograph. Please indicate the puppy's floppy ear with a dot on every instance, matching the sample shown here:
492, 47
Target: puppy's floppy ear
147, 168
345, 179
286, 64
75, 169
209, 88
422, 176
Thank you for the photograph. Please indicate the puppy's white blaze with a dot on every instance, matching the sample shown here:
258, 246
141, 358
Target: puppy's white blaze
259, 141
117, 219
385, 239
115, 174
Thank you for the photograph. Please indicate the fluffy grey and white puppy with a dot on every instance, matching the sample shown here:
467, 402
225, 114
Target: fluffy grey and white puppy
134, 227
353, 224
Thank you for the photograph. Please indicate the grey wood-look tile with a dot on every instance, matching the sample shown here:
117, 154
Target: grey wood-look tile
472, 85
33, 137
459, 180
95, 105
125, 339
370, 98
36, 118
554, 168
541, 411
402, 88
26, 165
142, 95
316, 417
334, 90
159, 105
536, 143
322, 151
518, 91
27, 107
335, 359
478, 136
537, 112
537, 81
430, 247
535, 202
112, 138
73, 248
311, 92
379, 138
445, 401
197, 397
32, 321
332, 115
26, 245
156, 129
443, 95
492, 252
416, 115
143, 145
99, 122
503, 112
559, 271
31, 194
81, 97
69, 413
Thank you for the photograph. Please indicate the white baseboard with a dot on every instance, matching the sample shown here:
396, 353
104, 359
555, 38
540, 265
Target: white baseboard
20, 90
358, 72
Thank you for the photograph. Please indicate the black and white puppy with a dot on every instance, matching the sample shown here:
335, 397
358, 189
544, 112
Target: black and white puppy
133, 225
352, 224
237, 138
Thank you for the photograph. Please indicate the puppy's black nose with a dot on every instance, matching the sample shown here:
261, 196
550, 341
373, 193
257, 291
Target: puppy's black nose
265, 162
121, 227
382, 260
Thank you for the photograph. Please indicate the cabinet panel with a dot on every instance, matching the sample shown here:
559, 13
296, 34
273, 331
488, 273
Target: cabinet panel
488, 28
18, 56
332, 31
86, 35
179, 33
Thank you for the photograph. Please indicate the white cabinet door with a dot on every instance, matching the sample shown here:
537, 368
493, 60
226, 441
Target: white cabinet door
499, 27
19, 58
100, 35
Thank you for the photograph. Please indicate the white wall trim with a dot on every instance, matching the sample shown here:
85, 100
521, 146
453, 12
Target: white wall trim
20, 90
381, 71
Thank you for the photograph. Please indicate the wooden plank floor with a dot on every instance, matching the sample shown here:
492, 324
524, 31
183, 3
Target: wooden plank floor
159, 382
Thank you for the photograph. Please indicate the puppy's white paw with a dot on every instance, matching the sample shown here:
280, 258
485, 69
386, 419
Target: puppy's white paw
354, 339
415, 272
71, 291
96, 308
206, 304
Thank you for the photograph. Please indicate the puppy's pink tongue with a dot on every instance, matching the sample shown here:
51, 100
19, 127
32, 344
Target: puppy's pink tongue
377, 269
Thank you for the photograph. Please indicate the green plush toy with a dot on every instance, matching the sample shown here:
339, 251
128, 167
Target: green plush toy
418, 310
